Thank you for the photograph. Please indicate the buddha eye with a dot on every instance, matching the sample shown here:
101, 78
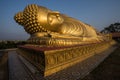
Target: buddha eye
57, 15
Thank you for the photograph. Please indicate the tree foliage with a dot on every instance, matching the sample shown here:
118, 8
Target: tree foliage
10, 44
112, 28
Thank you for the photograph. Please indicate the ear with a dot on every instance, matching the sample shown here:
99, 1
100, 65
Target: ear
19, 18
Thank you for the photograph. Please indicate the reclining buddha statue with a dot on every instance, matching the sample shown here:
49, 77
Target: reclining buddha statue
52, 28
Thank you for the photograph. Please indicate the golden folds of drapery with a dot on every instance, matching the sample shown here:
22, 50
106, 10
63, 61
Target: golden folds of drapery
44, 24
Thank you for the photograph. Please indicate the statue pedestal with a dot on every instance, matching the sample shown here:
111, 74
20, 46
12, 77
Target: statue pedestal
50, 60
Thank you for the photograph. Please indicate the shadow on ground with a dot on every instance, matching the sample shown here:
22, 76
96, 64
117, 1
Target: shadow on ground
109, 69
3, 66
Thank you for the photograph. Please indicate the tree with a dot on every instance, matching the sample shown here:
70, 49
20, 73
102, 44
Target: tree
112, 28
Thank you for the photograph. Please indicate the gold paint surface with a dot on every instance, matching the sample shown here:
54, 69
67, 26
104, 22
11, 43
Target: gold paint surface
55, 28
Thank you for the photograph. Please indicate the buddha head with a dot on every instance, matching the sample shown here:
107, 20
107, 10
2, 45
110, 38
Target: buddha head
36, 18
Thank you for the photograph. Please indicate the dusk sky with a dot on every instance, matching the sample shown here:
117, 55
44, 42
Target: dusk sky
98, 13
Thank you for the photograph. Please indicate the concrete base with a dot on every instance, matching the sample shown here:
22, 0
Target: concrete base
52, 60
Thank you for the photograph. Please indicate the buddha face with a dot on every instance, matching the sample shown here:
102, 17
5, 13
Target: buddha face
55, 19
49, 20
